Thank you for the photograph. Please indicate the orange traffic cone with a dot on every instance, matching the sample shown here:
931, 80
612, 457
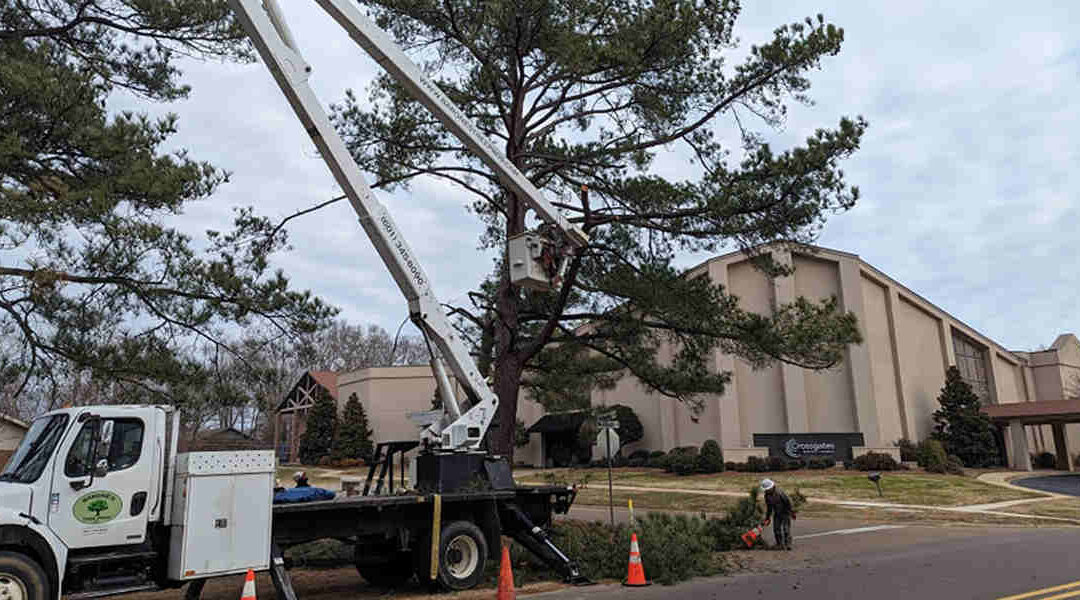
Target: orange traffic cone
249, 586
506, 577
635, 573
750, 537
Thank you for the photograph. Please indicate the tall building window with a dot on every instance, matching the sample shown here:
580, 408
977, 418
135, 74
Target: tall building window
971, 360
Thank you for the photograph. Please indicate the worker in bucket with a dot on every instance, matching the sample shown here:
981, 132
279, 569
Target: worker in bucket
778, 505
301, 480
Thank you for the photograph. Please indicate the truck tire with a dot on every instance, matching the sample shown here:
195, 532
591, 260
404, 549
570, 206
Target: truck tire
391, 574
22, 578
463, 555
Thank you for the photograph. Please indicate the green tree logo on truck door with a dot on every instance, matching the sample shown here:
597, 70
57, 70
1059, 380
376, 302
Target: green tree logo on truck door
97, 507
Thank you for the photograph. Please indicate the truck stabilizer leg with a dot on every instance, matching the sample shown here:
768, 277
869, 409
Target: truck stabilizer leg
280, 577
537, 541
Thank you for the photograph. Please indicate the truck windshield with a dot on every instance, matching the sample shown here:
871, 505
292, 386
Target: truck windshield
33, 453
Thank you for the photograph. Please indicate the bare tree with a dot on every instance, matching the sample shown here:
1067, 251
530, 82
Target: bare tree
345, 347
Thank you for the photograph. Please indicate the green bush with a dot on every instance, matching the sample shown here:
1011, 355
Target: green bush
953, 465
657, 460
681, 464
821, 462
642, 454
1044, 460
931, 456
876, 461
711, 458
909, 451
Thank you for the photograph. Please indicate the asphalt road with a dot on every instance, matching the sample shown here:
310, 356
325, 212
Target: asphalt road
913, 562
1061, 484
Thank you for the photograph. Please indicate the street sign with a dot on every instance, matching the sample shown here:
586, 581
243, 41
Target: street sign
608, 422
608, 447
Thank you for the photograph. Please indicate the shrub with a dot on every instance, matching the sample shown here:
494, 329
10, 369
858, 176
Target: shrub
1044, 460
641, 454
682, 464
954, 466
908, 450
821, 462
635, 462
756, 464
932, 457
690, 450
657, 460
876, 461
711, 458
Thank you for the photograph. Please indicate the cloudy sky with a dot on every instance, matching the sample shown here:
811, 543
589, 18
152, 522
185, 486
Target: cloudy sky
969, 171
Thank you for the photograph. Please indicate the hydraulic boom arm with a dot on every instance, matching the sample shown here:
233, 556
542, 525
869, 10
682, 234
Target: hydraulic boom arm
265, 25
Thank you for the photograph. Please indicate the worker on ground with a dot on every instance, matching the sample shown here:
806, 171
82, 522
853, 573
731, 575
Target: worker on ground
778, 505
300, 478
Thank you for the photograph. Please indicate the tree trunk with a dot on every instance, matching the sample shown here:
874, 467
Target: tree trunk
507, 383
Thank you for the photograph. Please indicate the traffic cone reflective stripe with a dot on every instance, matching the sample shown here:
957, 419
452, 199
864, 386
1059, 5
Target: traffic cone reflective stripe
249, 586
506, 577
635, 573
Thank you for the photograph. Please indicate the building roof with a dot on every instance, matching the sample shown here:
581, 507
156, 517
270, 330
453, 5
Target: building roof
558, 422
327, 379
15, 422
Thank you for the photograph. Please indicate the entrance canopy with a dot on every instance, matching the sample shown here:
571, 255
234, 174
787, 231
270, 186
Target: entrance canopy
1036, 413
1019, 414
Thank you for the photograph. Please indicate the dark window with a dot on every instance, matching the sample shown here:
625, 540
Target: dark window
124, 450
971, 361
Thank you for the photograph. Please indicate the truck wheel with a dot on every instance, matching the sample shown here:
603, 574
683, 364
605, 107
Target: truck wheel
383, 575
463, 554
21, 578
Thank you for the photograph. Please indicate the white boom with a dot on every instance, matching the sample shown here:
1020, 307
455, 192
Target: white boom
266, 26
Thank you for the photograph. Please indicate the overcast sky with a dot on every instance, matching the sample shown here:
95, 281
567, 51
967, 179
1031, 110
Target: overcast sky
968, 173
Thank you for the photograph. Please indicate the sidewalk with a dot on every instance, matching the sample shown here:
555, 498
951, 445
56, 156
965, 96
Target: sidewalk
984, 509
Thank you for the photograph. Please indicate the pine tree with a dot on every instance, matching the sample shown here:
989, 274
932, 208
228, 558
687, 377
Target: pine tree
319, 435
961, 426
354, 434
590, 93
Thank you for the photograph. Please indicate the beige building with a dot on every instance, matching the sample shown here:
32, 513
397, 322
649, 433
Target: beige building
12, 431
886, 388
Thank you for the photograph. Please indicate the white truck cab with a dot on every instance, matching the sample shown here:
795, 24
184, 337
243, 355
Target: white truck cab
86, 504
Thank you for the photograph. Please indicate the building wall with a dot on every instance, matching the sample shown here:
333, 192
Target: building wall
10, 435
829, 395
921, 352
878, 337
760, 392
892, 379
388, 395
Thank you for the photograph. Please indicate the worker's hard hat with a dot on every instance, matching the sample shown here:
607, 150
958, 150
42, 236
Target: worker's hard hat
297, 476
767, 484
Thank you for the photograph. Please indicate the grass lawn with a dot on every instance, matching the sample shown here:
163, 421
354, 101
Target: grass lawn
1068, 508
902, 487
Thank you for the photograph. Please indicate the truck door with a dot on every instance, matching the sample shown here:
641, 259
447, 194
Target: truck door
106, 505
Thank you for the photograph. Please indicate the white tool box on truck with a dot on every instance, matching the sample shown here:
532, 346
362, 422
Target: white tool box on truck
221, 513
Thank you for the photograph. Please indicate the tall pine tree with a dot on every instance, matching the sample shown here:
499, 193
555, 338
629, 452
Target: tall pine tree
961, 426
354, 434
318, 437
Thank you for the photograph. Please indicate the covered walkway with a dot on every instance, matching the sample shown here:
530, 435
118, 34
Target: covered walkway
1015, 416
